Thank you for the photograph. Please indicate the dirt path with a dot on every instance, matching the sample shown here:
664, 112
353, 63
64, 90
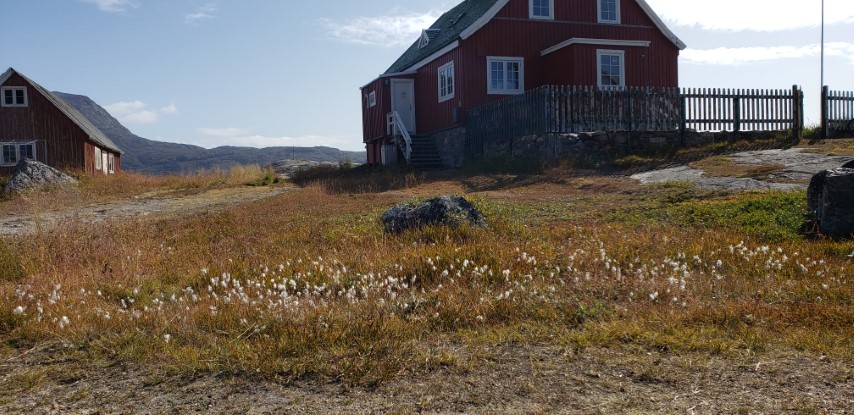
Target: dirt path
799, 167
145, 205
502, 380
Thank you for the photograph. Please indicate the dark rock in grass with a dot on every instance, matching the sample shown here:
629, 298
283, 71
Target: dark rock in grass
443, 210
31, 174
830, 199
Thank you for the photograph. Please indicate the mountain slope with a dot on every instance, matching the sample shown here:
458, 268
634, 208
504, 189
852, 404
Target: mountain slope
157, 157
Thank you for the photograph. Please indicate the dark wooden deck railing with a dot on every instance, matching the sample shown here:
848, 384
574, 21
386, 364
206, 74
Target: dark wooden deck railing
565, 109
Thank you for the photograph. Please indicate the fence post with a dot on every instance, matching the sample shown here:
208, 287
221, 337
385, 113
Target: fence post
736, 111
682, 118
797, 113
628, 104
824, 115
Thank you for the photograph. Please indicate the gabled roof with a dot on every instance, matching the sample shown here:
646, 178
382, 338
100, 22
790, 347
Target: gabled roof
447, 29
469, 16
96, 135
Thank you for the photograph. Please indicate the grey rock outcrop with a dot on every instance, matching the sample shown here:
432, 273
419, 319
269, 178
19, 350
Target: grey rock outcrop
443, 210
31, 174
830, 199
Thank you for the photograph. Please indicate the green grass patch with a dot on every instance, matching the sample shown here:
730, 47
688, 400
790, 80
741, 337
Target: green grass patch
773, 215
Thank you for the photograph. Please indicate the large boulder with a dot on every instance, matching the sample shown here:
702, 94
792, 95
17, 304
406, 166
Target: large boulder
830, 199
31, 174
443, 210
849, 165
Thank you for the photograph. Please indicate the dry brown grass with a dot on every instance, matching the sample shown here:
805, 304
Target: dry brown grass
102, 189
723, 166
307, 284
831, 147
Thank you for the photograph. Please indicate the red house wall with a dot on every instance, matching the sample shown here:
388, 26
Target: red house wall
512, 34
67, 145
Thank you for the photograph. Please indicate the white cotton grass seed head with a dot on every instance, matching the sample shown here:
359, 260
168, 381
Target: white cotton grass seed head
19, 310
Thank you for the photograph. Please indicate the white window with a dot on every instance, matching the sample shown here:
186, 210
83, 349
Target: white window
27, 151
98, 159
447, 84
542, 9
111, 163
13, 96
609, 11
372, 99
12, 153
610, 65
505, 75
424, 41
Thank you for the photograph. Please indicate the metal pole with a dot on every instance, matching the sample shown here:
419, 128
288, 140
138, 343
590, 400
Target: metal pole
822, 43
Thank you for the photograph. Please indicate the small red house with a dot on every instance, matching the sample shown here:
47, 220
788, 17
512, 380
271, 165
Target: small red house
483, 50
36, 124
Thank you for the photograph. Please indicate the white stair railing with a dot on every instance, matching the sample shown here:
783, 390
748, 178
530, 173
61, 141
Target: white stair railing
397, 129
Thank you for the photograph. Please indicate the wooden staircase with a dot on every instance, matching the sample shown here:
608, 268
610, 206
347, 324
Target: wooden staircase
424, 154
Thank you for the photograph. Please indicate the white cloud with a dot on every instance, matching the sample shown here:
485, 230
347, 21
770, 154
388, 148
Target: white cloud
112, 5
751, 55
755, 15
397, 28
138, 112
205, 12
216, 137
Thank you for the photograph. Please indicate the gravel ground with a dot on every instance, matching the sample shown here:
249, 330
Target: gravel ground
800, 167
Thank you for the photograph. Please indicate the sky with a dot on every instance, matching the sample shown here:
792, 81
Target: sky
280, 72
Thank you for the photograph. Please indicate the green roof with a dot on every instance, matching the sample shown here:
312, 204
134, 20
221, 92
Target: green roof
449, 27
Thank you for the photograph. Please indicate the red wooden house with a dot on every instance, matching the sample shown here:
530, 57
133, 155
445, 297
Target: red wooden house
36, 124
483, 50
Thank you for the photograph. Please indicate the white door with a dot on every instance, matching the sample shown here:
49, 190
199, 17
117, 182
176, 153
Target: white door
403, 101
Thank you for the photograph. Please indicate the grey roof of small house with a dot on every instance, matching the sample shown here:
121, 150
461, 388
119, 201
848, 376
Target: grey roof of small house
96, 135
450, 26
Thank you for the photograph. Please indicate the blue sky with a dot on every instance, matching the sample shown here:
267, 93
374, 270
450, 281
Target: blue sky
277, 72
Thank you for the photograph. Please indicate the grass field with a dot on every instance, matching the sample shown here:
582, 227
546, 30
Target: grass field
306, 286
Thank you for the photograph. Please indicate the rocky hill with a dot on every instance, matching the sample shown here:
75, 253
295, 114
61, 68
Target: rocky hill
157, 157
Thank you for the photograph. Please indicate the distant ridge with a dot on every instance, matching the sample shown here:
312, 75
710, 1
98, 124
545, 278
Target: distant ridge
157, 157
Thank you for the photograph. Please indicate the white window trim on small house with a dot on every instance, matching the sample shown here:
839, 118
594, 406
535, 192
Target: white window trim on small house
98, 165
599, 12
490, 90
16, 152
111, 163
372, 99
550, 16
448, 89
622, 57
14, 89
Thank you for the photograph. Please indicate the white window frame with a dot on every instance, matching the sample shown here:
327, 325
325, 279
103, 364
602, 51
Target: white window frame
17, 151
111, 163
98, 164
14, 104
3, 161
424, 40
551, 15
372, 99
449, 90
505, 59
599, 12
606, 52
